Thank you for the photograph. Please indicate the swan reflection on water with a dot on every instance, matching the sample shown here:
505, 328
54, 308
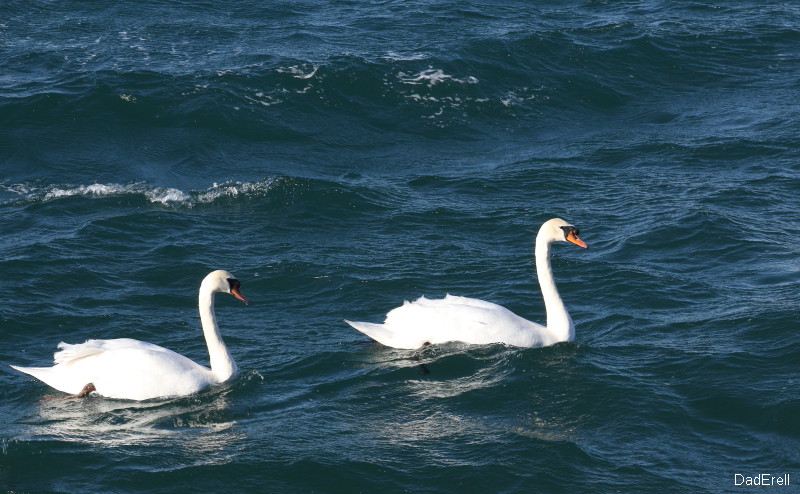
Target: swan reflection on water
476, 391
202, 427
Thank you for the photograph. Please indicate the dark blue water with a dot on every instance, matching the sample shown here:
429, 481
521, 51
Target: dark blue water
340, 157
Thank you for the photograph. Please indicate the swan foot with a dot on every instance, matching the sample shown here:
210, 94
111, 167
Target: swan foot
86, 390
82, 394
421, 368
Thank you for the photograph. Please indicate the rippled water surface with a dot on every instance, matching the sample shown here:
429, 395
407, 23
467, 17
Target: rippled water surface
341, 157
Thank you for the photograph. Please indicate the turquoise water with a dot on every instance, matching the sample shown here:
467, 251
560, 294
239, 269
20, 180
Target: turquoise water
339, 158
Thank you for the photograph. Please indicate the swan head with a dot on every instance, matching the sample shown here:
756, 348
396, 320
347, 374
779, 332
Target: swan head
558, 230
223, 281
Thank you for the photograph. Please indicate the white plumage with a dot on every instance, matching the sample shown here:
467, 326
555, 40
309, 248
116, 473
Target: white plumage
130, 369
469, 320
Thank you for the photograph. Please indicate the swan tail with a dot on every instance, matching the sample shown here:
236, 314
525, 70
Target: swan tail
52, 378
37, 372
24, 370
377, 332
64, 375
380, 333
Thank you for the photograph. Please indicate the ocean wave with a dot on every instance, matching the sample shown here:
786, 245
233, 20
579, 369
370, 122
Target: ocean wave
507, 71
157, 194
166, 196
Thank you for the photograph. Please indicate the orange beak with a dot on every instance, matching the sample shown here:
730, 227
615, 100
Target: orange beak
238, 294
571, 237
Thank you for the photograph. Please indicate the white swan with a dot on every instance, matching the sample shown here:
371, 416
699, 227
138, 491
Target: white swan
135, 370
469, 320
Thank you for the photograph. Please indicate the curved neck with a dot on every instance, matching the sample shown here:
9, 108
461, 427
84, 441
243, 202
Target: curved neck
222, 365
559, 324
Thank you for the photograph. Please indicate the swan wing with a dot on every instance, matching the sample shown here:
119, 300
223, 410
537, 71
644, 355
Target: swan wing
453, 318
68, 353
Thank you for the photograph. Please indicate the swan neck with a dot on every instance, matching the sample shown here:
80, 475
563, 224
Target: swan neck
222, 365
559, 323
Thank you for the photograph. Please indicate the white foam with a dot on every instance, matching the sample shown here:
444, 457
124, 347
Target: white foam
97, 190
432, 76
299, 72
233, 189
167, 196
396, 57
264, 100
18, 189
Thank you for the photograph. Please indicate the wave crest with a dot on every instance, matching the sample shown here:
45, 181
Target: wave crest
166, 196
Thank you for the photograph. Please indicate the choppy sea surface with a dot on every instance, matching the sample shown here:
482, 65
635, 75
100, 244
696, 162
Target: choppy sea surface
341, 157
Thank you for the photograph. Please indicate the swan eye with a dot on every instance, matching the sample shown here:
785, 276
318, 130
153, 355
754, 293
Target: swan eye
234, 283
570, 229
